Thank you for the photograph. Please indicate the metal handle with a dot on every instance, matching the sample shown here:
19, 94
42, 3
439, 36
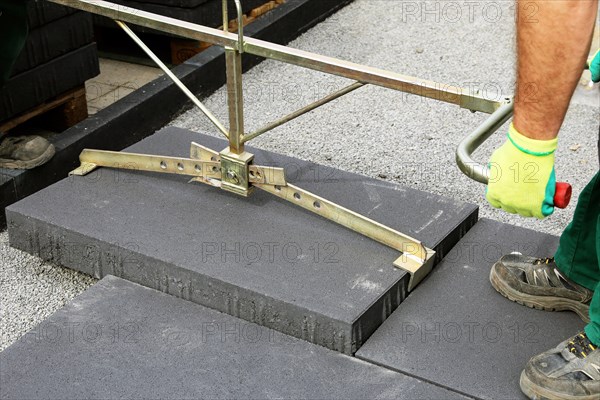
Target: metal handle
480, 172
240, 20
467, 165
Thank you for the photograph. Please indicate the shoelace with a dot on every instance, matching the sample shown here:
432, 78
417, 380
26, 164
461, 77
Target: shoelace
546, 260
581, 346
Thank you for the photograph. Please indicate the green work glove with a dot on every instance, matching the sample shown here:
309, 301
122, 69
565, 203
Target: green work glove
594, 64
522, 179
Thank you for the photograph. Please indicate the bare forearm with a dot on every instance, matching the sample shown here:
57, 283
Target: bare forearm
553, 40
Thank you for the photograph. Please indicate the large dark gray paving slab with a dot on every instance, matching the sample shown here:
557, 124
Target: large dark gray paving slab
457, 331
121, 340
261, 259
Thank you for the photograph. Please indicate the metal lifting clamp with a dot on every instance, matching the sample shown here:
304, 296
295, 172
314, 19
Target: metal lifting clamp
233, 169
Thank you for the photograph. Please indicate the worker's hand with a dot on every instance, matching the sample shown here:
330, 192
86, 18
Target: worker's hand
594, 64
522, 179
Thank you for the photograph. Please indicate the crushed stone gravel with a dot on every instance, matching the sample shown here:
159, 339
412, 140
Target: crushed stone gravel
31, 290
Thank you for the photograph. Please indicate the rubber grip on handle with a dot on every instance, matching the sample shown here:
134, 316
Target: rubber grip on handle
562, 195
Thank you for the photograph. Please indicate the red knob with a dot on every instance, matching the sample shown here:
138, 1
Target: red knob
562, 195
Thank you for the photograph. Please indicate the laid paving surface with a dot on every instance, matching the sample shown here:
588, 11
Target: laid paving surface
457, 331
261, 259
121, 340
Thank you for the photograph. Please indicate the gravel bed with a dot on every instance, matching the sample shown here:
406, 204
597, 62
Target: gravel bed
31, 290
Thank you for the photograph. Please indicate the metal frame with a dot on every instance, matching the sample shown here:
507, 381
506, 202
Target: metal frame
232, 169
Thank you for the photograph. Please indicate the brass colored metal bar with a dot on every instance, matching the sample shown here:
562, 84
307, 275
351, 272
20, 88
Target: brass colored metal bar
225, 13
174, 78
199, 152
240, 22
302, 111
375, 76
417, 269
235, 100
466, 164
357, 72
155, 21
412, 248
152, 163
205, 168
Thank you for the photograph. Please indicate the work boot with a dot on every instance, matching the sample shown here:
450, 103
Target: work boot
537, 283
24, 152
569, 371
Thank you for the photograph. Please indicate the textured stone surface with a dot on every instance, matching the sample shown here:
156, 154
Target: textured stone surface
121, 340
457, 331
261, 259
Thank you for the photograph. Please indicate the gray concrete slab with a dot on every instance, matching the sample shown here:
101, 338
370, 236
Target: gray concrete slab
457, 331
261, 259
121, 340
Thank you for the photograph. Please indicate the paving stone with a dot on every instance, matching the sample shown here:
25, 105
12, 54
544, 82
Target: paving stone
33, 87
43, 12
457, 331
208, 13
261, 259
53, 40
9, 195
121, 340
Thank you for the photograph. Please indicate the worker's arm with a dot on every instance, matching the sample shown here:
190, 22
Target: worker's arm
553, 41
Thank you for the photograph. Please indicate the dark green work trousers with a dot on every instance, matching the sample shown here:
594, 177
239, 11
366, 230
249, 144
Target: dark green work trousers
578, 255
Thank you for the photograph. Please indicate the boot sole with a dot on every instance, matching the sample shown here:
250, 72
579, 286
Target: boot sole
30, 164
546, 303
536, 392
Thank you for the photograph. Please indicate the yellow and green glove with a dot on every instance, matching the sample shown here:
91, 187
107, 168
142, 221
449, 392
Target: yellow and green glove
594, 64
522, 178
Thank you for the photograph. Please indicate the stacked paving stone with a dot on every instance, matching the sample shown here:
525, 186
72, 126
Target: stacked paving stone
59, 56
114, 44
203, 12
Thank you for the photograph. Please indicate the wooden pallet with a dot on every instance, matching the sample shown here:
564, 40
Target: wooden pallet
183, 49
57, 114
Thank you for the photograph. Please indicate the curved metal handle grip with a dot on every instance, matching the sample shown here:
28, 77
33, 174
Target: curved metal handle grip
240, 21
480, 172
467, 165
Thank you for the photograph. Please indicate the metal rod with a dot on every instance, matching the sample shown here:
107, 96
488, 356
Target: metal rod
240, 22
240, 19
349, 219
466, 164
176, 80
155, 21
225, 17
146, 162
375, 76
235, 100
391, 80
303, 111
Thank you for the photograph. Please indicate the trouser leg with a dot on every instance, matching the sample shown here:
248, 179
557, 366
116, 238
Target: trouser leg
578, 255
